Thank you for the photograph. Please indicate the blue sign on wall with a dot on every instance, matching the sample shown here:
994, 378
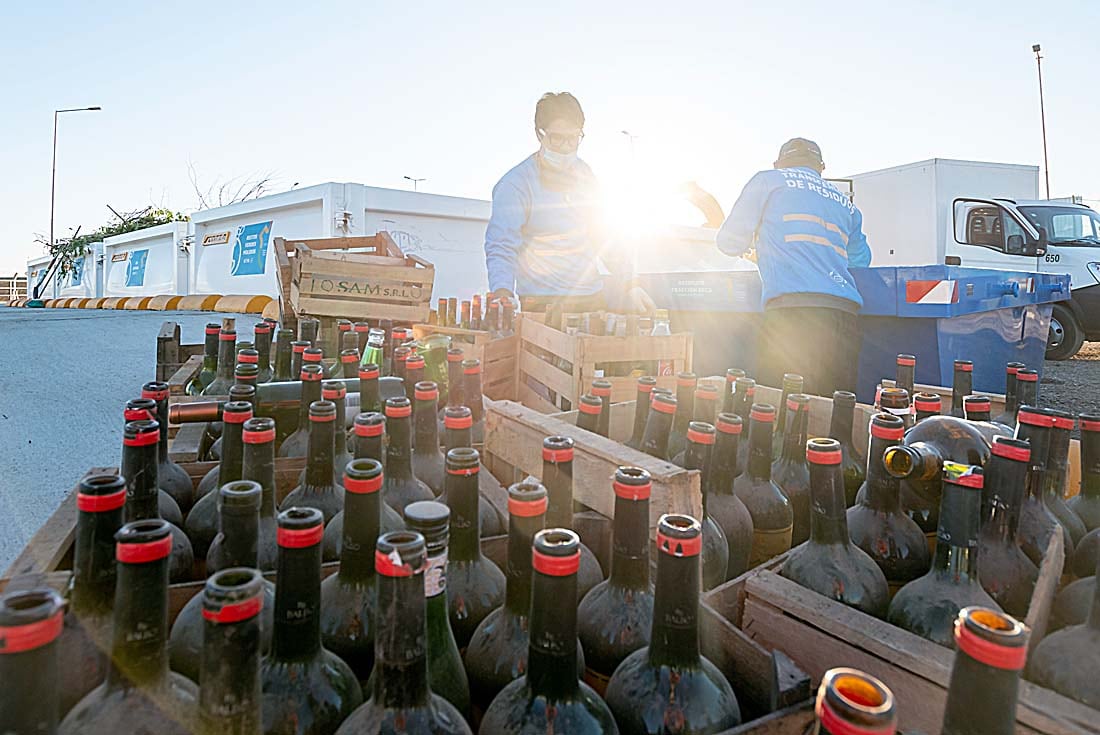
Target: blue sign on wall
250, 249
77, 272
135, 267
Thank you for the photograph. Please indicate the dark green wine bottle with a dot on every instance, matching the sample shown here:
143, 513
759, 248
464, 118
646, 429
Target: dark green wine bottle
1005, 573
227, 360
790, 472
772, 517
641, 410
229, 701
171, 478
319, 490
715, 555
202, 521
209, 367
850, 702
985, 678
31, 621
685, 408
840, 428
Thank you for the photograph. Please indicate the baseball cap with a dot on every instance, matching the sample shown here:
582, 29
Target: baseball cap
799, 151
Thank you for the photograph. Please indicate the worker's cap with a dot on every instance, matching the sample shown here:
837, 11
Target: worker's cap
799, 152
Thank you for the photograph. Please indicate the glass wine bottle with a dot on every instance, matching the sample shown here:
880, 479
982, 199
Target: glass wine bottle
905, 371
446, 676
414, 373
830, 564
840, 428
297, 357
744, 394
1037, 521
850, 702
1057, 474
557, 476
985, 678
202, 521
140, 693
475, 585
715, 553
455, 380
258, 465
978, 410
641, 410
229, 702
895, 401
457, 425
427, 460
209, 369
615, 617
86, 636
401, 700
401, 486
929, 606
297, 444
772, 517
601, 389
1086, 504
589, 409
790, 472
171, 477
877, 524
1006, 573
239, 503
475, 401
139, 467
348, 367
262, 340
335, 392
283, 348
685, 407
669, 681
306, 688
793, 383
550, 695
1027, 389
31, 622
315, 356
400, 357
1008, 416
732, 374
227, 360
723, 506
925, 405
369, 401
319, 491
658, 425
138, 409
961, 386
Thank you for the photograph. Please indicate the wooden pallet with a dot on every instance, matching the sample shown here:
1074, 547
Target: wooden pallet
497, 357
555, 365
818, 634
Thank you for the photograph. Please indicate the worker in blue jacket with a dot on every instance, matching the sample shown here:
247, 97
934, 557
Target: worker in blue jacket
544, 236
806, 234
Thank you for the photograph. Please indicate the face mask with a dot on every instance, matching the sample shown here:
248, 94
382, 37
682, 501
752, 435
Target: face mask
559, 161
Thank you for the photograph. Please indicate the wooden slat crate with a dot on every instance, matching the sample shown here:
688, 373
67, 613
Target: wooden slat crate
376, 282
819, 634
551, 361
497, 356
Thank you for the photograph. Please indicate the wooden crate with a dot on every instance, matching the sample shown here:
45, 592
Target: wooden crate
376, 282
551, 361
171, 353
497, 356
818, 634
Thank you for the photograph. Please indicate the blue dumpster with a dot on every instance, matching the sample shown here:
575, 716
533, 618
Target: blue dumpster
938, 313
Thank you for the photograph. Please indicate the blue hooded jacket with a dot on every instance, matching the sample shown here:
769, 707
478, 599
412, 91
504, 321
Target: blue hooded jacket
806, 232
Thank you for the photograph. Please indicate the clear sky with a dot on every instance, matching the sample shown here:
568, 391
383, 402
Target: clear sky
370, 92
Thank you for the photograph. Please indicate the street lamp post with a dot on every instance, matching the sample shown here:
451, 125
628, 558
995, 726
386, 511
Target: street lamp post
53, 167
415, 181
632, 137
1042, 115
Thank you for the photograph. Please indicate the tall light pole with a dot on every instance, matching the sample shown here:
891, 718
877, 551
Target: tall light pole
1042, 115
53, 164
415, 181
632, 137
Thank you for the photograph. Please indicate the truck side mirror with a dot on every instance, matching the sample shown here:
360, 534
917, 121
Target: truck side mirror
1044, 241
1016, 246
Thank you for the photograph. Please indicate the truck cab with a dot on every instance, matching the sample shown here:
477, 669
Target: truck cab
1042, 236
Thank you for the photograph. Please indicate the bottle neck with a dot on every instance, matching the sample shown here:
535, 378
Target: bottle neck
454, 384
980, 693
794, 437
401, 667
229, 700
882, 488
231, 465
210, 349
828, 517
1057, 462
263, 348
138, 654
241, 538
1002, 498
840, 425
705, 410
362, 512
139, 467
162, 419
339, 435
456, 438
674, 638
957, 536
657, 428
760, 450
630, 544
227, 354
426, 426
517, 590
471, 393
1039, 439
1011, 402
319, 465
685, 406
904, 377
368, 394
258, 465
297, 633
311, 391
641, 411
697, 456
462, 497
282, 362
552, 649
368, 447
723, 463
557, 477
961, 388
399, 449
94, 567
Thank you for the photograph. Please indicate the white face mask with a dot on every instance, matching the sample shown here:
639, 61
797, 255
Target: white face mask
559, 161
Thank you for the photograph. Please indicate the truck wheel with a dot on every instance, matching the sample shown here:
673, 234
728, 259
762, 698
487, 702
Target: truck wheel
1065, 337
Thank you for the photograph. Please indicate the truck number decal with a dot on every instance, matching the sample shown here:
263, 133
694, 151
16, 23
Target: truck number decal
1053, 257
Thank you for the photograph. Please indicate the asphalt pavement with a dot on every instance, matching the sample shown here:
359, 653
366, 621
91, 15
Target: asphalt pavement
65, 375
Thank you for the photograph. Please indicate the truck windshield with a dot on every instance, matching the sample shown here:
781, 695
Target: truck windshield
1066, 225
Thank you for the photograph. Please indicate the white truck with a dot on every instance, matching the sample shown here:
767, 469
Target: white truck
986, 215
